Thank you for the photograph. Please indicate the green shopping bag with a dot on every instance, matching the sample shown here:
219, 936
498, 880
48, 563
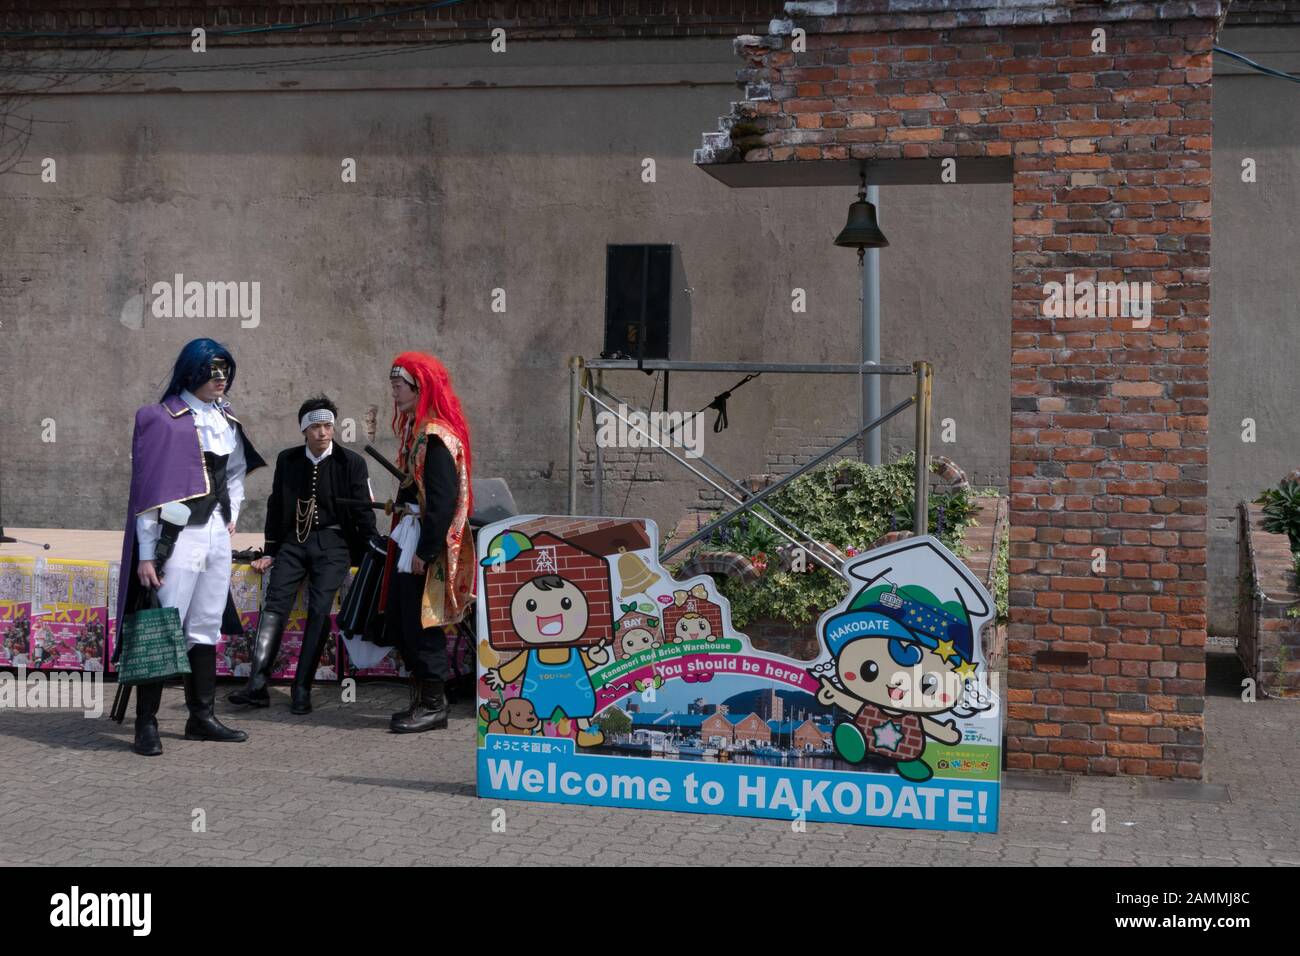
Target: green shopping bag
152, 645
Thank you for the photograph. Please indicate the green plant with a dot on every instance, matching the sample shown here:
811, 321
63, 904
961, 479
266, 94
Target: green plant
848, 504
1002, 578
1282, 510
747, 535
944, 509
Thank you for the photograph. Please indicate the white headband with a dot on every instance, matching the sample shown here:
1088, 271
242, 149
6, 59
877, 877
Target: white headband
404, 375
315, 418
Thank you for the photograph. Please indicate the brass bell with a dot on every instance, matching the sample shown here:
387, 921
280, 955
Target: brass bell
634, 574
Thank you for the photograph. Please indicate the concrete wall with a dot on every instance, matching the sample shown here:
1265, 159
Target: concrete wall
1254, 349
473, 176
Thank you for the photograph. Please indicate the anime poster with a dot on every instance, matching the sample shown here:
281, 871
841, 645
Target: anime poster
110, 636
235, 651
286, 661
17, 583
70, 626
604, 681
374, 662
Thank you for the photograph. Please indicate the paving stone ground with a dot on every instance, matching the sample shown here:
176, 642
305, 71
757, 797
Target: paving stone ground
337, 788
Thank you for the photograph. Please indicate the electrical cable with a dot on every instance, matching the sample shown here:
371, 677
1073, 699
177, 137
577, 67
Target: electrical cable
1268, 70
636, 464
719, 402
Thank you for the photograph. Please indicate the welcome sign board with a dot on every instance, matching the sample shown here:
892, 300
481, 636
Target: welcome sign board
604, 681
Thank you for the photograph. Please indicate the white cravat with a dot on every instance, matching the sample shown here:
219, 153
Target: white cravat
325, 454
215, 433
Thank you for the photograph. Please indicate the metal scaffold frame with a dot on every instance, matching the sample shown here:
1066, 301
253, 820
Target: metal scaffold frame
582, 385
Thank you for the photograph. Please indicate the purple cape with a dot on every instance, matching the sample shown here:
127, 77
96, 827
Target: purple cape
166, 466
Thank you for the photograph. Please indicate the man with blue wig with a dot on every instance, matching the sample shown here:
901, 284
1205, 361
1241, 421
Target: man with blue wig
189, 457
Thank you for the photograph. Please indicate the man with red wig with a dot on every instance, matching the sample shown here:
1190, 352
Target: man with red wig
430, 576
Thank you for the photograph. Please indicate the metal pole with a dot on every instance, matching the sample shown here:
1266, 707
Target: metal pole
575, 367
776, 368
771, 489
921, 517
871, 340
598, 502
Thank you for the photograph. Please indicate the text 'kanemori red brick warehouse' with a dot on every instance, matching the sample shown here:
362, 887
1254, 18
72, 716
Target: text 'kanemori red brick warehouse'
1100, 116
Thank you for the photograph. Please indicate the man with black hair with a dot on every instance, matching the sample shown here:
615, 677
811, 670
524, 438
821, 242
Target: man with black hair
311, 536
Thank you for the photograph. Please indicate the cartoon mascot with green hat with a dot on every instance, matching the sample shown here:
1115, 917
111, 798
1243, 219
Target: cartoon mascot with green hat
903, 650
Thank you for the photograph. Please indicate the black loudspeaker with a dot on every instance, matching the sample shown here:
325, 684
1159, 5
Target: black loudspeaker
638, 296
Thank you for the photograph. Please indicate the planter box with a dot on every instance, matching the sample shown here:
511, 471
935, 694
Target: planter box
1268, 640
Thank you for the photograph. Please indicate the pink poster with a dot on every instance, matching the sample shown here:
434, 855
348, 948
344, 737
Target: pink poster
235, 651
17, 573
389, 665
70, 630
110, 637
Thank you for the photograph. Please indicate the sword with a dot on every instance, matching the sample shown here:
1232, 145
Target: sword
396, 472
120, 700
387, 507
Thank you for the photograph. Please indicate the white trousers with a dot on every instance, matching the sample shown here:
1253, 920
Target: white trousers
196, 579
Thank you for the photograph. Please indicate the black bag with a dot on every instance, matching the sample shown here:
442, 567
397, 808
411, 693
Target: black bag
359, 611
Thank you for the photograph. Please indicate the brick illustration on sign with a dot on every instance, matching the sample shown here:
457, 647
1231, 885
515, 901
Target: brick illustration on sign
692, 616
552, 601
637, 630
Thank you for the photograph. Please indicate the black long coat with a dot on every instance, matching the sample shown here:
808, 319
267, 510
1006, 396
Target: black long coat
348, 479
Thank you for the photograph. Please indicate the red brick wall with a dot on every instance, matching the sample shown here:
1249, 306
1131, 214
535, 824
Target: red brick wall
1251, 12
590, 573
1111, 156
522, 19
471, 19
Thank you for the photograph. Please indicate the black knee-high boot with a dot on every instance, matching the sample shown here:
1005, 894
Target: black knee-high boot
148, 697
313, 645
201, 694
270, 630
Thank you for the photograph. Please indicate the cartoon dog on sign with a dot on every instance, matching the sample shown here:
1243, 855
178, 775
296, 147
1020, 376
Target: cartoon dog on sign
549, 615
904, 651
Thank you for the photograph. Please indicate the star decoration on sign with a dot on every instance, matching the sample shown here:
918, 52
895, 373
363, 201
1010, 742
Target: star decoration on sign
966, 670
888, 736
946, 650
